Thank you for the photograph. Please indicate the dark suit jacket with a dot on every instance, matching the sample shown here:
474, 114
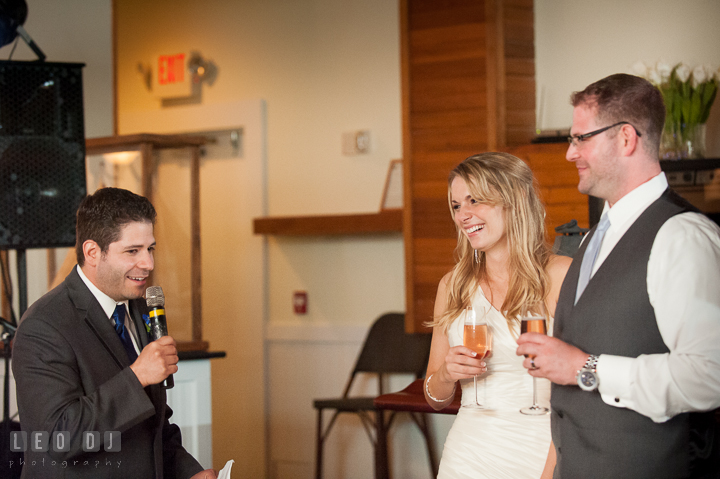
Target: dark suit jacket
72, 374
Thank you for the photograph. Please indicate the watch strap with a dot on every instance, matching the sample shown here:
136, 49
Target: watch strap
589, 370
591, 363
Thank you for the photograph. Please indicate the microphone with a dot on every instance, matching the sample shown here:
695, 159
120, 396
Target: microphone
158, 324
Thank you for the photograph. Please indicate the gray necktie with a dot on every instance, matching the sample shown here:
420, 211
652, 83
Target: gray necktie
591, 255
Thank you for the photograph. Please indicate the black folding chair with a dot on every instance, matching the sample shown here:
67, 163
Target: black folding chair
388, 349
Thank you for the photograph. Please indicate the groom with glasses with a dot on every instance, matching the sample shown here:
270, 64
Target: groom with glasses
635, 357
577, 140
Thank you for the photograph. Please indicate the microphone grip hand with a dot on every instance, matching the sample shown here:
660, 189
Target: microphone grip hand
156, 362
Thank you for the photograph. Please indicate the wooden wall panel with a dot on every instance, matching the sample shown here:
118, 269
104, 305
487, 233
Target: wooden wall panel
519, 65
425, 14
558, 181
446, 119
447, 43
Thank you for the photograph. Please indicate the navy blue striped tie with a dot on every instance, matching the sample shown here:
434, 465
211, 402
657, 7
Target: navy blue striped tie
119, 317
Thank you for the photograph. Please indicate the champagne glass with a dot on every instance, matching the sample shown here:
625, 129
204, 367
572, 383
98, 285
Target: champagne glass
533, 321
478, 337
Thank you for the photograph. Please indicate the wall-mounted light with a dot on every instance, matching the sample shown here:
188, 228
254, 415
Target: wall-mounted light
201, 70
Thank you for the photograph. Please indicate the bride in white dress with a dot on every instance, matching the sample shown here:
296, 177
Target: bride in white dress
504, 264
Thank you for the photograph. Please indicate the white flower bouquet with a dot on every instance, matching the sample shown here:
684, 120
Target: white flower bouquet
688, 95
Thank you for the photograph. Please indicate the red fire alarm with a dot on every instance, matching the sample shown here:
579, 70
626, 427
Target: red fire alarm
300, 300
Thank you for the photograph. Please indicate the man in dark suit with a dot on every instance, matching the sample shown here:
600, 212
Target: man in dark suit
88, 378
635, 357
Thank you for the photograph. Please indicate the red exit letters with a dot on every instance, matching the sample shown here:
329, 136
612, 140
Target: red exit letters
171, 69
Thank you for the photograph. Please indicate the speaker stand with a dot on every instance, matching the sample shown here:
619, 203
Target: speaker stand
7, 424
6, 401
22, 280
31, 43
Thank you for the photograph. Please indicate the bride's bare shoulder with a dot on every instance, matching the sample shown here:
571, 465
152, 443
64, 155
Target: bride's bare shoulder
557, 267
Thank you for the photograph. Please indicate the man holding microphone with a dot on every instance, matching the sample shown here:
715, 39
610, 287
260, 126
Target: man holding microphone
83, 363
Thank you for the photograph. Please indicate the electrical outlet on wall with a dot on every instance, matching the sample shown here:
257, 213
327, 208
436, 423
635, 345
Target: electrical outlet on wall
356, 142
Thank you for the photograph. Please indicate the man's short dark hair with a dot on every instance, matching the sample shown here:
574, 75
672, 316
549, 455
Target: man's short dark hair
623, 97
102, 215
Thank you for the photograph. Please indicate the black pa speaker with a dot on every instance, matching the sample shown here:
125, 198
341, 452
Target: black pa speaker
42, 153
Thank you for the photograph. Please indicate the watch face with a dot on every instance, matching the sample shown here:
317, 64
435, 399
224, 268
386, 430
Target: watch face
587, 380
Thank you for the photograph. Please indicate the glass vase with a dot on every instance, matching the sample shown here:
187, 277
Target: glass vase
670, 142
693, 142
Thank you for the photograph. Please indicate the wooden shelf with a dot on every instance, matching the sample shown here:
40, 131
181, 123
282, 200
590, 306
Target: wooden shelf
109, 144
195, 345
388, 221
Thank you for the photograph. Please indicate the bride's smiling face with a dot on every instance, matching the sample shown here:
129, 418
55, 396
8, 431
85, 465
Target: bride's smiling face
483, 224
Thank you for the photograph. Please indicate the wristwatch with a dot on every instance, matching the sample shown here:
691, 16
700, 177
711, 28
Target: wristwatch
587, 377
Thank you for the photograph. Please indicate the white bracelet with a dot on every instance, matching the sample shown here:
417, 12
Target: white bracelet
427, 391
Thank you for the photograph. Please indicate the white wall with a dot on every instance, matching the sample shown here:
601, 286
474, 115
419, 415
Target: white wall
579, 42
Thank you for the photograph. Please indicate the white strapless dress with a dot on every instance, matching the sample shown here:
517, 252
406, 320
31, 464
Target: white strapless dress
497, 442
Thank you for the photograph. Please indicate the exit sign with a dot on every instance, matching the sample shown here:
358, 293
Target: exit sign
171, 69
171, 78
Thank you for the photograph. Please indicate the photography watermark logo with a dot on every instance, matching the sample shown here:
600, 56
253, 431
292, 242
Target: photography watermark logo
59, 442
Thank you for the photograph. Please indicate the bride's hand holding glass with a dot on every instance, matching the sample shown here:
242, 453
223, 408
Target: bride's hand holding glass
477, 337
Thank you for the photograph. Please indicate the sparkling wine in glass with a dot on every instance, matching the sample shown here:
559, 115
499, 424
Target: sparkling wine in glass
478, 337
533, 321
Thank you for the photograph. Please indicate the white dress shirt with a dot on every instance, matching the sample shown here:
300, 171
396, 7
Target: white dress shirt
683, 281
108, 305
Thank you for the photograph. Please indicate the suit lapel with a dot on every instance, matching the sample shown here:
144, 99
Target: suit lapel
136, 313
94, 317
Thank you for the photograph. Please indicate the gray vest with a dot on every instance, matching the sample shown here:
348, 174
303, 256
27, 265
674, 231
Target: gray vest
614, 316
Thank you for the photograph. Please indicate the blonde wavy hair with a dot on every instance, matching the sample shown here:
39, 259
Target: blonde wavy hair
501, 179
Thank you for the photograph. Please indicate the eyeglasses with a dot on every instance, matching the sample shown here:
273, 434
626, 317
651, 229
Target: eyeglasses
578, 139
